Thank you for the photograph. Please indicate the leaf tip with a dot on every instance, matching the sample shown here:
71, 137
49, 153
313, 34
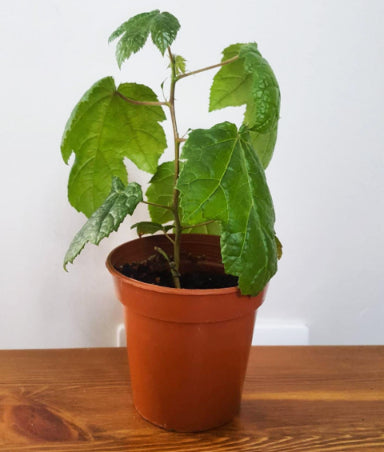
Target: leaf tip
112, 38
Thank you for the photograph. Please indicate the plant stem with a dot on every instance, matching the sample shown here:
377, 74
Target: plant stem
175, 198
174, 272
175, 265
223, 63
169, 238
162, 206
141, 102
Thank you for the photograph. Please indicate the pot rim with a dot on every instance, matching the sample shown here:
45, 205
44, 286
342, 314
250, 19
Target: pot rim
164, 289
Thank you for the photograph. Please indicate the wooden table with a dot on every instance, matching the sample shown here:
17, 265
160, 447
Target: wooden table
295, 399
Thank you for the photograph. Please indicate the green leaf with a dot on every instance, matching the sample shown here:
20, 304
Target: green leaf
149, 227
264, 143
164, 29
144, 136
222, 179
99, 93
160, 191
180, 64
102, 130
135, 31
121, 201
279, 247
232, 84
136, 25
263, 109
213, 228
250, 81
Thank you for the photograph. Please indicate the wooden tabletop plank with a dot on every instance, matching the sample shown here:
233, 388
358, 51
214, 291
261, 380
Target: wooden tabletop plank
295, 399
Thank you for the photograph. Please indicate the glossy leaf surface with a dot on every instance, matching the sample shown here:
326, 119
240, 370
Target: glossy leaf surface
250, 81
104, 129
164, 29
134, 33
121, 201
222, 179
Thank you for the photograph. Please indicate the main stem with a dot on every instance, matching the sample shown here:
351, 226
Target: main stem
177, 140
175, 201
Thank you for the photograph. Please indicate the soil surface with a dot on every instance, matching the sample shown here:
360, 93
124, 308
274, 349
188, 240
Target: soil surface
155, 270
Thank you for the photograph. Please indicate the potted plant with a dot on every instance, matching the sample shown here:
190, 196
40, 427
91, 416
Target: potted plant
192, 285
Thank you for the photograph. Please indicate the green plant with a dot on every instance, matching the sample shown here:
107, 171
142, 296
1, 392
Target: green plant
216, 185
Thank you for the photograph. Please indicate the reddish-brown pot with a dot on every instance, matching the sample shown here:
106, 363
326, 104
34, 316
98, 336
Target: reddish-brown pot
187, 349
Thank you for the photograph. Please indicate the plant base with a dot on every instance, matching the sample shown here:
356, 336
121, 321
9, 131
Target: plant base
187, 349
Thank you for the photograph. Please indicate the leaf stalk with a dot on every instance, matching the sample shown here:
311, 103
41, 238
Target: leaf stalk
172, 266
175, 196
141, 102
161, 206
223, 63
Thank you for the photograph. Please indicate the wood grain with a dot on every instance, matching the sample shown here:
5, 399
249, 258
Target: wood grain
295, 399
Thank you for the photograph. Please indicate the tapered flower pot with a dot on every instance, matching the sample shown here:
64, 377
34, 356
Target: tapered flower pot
187, 349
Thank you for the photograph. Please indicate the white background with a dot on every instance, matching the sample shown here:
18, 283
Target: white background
326, 177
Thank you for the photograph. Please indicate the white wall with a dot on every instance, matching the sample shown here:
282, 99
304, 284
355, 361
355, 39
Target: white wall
326, 177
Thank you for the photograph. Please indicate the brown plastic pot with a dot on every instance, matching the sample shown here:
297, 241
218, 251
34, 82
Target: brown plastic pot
187, 349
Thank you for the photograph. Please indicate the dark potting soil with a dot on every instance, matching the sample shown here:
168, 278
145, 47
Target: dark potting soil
156, 271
